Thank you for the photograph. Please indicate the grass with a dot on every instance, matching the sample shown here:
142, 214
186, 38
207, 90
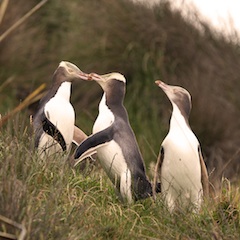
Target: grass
54, 201
145, 44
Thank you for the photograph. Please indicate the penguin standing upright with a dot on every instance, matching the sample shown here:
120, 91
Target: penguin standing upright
115, 142
54, 121
182, 171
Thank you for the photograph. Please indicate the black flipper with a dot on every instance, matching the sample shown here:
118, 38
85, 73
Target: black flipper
94, 140
157, 173
52, 130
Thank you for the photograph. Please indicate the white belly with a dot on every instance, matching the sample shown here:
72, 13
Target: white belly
48, 146
112, 161
61, 113
181, 172
105, 117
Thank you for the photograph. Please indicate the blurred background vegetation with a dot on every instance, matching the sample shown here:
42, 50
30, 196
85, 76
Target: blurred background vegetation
145, 43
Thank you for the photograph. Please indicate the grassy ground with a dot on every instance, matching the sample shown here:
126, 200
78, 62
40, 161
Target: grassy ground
144, 44
54, 201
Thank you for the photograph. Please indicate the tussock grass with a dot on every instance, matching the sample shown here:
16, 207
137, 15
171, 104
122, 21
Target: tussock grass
54, 201
145, 44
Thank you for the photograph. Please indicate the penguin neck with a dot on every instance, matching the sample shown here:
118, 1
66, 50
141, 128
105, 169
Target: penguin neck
178, 121
103, 105
64, 91
114, 95
110, 111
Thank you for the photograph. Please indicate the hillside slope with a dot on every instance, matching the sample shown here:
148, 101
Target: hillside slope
145, 44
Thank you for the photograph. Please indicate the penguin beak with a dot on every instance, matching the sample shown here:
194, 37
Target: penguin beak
162, 85
90, 76
95, 77
83, 76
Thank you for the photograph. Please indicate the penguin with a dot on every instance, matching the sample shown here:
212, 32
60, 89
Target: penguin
183, 173
54, 120
114, 141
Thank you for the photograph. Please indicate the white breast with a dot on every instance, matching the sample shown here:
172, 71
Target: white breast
113, 162
48, 146
61, 113
105, 116
181, 171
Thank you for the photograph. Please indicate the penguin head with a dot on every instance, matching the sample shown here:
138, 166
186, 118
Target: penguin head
106, 80
68, 72
178, 96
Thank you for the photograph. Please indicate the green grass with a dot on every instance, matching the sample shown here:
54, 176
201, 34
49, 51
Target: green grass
144, 44
54, 201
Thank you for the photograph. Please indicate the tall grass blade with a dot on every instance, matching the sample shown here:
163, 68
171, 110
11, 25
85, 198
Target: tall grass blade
23, 19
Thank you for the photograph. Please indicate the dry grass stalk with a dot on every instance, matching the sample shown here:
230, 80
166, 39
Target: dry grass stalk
3, 8
7, 82
14, 224
21, 20
26, 102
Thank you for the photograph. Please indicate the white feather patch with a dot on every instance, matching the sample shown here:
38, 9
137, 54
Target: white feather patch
181, 171
61, 113
114, 164
105, 116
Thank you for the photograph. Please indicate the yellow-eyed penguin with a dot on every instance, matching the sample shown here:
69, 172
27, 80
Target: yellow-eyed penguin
183, 174
54, 121
115, 142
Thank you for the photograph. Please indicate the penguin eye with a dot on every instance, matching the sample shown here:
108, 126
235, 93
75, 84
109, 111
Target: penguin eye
175, 91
